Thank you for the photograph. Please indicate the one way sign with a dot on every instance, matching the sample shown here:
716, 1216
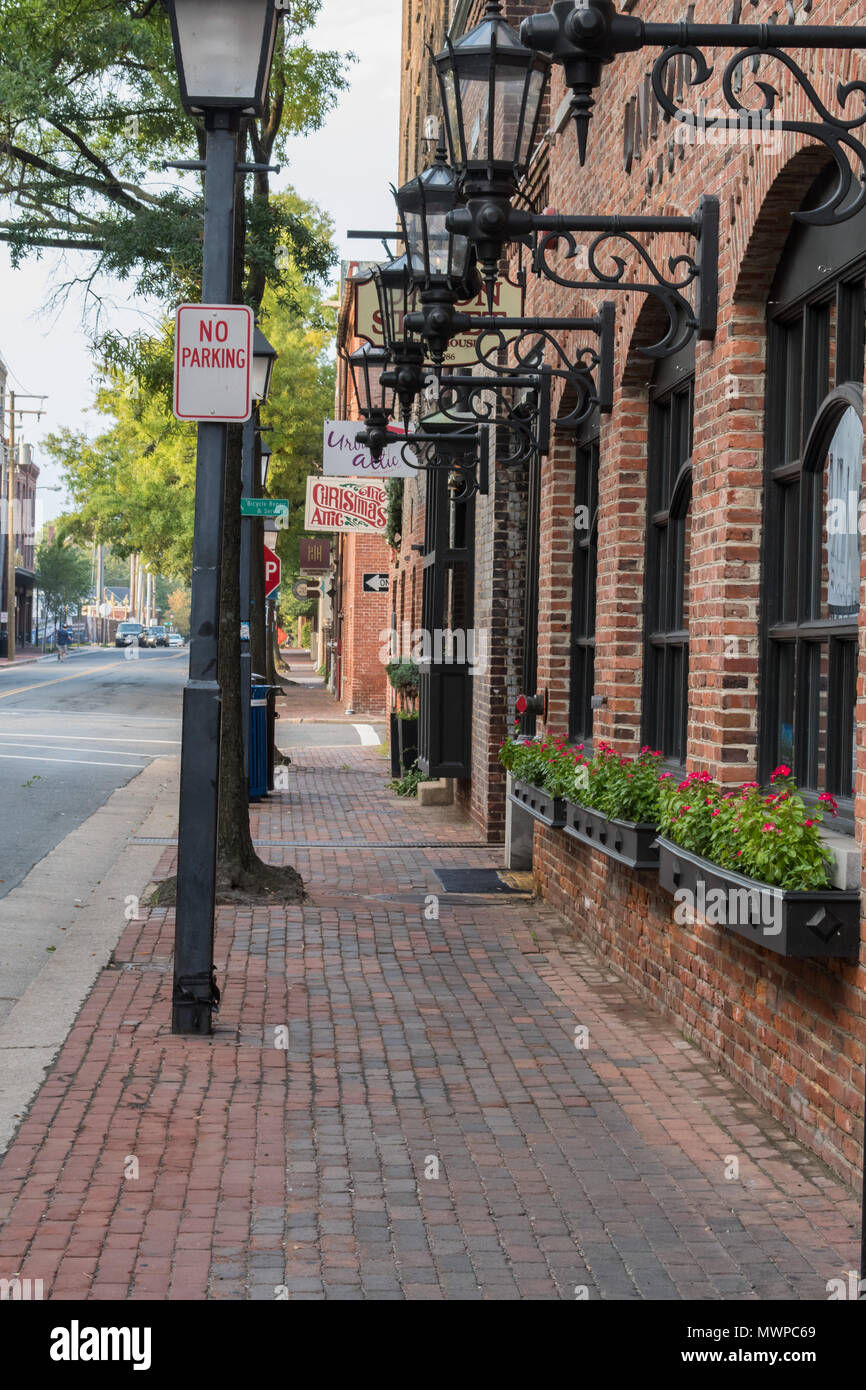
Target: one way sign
375, 584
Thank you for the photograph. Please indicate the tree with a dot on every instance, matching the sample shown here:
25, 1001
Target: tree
64, 576
89, 108
178, 610
88, 104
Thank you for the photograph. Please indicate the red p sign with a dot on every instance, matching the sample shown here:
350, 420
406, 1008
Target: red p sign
273, 572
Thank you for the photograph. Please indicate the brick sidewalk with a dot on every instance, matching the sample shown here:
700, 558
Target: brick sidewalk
411, 1043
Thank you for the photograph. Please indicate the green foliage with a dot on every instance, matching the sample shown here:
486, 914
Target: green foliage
403, 676
133, 486
303, 329
177, 610
304, 634
394, 516
64, 576
89, 109
769, 835
407, 785
408, 714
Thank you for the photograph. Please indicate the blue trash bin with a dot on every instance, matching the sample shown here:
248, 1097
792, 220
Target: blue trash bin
258, 741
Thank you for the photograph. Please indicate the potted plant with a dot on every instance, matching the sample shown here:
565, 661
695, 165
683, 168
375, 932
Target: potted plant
751, 860
403, 676
533, 782
612, 804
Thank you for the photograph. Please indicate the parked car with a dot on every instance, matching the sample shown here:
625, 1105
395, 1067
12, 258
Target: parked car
175, 639
128, 634
155, 636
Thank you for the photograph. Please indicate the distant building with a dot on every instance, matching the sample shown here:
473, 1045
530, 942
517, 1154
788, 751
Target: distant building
26, 473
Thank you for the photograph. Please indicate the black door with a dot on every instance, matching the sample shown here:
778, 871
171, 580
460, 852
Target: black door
447, 653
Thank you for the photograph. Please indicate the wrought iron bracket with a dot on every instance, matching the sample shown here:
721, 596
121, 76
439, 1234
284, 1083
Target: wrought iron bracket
583, 38
492, 223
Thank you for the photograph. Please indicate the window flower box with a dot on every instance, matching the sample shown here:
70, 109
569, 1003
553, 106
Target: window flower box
625, 841
550, 810
818, 922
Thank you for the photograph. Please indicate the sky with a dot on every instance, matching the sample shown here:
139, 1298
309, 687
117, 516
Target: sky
346, 167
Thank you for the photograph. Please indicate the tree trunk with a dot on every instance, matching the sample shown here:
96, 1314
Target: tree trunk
241, 875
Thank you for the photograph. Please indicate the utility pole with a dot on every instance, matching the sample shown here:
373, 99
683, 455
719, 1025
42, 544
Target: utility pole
10, 517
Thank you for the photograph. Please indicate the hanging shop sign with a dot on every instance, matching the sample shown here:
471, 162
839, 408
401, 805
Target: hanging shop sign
315, 554
343, 457
345, 504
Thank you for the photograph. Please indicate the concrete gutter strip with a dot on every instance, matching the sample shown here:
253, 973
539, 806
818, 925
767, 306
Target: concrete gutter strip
82, 885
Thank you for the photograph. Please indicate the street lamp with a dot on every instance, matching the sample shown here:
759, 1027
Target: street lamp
492, 93
223, 50
373, 393
441, 263
404, 373
264, 357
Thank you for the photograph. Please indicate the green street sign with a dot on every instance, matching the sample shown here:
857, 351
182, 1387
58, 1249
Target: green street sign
264, 506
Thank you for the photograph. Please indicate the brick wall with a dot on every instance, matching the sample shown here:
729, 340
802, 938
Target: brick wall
792, 1032
366, 617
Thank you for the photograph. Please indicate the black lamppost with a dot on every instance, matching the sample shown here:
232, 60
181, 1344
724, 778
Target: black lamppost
223, 51
264, 357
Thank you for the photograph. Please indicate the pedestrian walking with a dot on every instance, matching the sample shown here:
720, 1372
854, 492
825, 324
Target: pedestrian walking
62, 642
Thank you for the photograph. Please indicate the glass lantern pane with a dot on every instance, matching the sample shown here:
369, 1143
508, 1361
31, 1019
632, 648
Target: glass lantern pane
509, 106
449, 102
475, 100
533, 101
221, 47
840, 553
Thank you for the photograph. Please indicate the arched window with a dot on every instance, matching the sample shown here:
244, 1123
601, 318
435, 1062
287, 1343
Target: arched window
811, 541
666, 584
811, 596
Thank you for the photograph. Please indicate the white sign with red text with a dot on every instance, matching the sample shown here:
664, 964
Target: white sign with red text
345, 504
212, 362
342, 457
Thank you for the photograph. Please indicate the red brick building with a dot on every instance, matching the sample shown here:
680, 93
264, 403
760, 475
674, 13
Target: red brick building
681, 614
361, 621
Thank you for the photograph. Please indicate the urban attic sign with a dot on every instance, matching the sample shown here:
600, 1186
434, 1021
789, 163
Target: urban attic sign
343, 457
344, 504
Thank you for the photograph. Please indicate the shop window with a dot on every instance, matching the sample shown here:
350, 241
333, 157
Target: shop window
812, 511
584, 571
666, 597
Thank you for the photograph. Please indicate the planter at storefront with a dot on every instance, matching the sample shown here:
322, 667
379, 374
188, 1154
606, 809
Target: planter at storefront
628, 842
550, 810
818, 922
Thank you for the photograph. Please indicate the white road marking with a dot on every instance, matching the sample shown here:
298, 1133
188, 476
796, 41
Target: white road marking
72, 748
93, 738
366, 733
79, 762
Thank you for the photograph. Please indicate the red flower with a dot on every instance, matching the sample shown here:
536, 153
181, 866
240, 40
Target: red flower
781, 771
769, 826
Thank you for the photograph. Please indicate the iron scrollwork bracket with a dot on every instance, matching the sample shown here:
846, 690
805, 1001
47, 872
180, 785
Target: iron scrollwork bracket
582, 38
668, 287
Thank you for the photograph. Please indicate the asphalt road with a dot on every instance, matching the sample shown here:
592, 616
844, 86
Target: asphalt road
70, 734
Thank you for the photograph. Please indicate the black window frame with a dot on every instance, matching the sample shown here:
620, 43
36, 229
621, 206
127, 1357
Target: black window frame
808, 663
584, 578
670, 434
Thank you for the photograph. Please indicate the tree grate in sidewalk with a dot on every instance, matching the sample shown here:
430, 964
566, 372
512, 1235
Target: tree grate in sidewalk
340, 844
